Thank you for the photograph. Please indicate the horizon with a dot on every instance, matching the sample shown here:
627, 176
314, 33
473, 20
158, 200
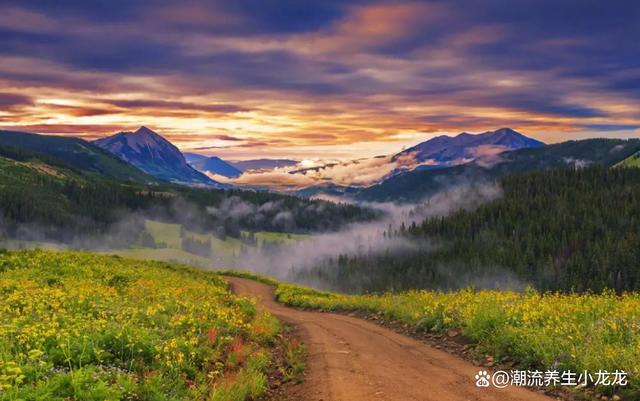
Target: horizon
336, 80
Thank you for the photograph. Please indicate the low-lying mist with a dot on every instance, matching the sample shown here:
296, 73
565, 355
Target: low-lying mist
321, 260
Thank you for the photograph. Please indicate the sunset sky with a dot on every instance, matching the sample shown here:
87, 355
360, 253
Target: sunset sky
327, 79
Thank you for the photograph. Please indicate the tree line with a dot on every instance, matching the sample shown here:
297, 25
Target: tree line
563, 229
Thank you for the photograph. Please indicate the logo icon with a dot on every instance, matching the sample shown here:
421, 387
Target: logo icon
482, 379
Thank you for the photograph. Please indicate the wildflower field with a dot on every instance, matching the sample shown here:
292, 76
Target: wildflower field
555, 331
575, 332
78, 326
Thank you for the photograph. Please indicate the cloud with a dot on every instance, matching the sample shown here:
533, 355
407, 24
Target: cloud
12, 100
172, 105
335, 73
358, 173
488, 155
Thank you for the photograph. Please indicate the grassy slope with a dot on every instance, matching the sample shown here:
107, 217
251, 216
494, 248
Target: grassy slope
575, 332
163, 254
278, 238
223, 251
631, 161
87, 327
15, 176
76, 153
13, 172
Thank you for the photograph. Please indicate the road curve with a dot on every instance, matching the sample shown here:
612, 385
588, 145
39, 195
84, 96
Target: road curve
351, 359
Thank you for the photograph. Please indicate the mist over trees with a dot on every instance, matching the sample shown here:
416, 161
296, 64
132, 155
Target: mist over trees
563, 229
42, 198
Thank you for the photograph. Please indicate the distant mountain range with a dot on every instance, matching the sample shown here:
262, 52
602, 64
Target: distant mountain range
146, 157
154, 155
212, 165
263, 164
234, 169
463, 148
216, 165
193, 157
76, 153
417, 185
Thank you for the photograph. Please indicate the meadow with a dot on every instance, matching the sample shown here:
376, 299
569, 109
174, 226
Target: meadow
80, 326
224, 252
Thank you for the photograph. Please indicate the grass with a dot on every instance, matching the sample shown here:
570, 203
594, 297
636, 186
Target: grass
80, 326
223, 251
166, 233
295, 356
164, 255
547, 331
631, 161
263, 237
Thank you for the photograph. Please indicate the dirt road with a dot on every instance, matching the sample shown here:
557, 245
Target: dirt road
351, 359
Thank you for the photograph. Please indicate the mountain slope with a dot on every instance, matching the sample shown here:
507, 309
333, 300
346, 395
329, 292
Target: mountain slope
154, 155
416, 185
465, 147
193, 157
217, 166
74, 152
41, 199
263, 164
631, 161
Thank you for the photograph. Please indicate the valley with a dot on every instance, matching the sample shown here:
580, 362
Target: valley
335, 200
504, 253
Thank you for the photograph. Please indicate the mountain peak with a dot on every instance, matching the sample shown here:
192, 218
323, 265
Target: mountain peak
216, 165
462, 148
145, 131
153, 154
506, 131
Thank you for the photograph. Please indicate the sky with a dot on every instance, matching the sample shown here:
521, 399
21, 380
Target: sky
331, 79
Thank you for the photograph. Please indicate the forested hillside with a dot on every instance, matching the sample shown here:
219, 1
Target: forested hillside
42, 198
417, 185
563, 229
72, 152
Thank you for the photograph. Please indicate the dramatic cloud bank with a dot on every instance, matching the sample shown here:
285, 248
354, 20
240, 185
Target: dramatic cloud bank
355, 173
340, 79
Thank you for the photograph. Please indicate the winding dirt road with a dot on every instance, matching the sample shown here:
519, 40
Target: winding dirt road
351, 359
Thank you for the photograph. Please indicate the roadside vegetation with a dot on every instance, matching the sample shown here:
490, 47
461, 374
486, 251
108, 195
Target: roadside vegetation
546, 331
79, 326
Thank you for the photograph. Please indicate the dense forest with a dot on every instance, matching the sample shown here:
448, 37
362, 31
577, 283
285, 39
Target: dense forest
563, 229
44, 198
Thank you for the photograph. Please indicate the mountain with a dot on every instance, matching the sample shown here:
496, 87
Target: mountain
43, 199
154, 155
193, 157
465, 147
74, 152
416, 185
263, 164
217, 166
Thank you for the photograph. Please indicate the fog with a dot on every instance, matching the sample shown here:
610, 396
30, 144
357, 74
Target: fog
291, 260
287, 262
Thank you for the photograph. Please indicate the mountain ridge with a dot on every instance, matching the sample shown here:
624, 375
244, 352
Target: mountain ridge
153, 154
75, 153
466, 147
216, 165
416, 185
